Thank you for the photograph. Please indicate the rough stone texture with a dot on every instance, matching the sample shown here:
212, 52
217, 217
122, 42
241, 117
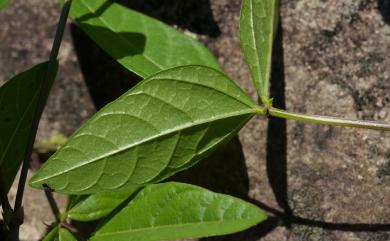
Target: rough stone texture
317, 182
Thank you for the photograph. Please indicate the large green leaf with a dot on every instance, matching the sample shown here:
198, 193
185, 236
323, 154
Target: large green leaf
258, 24
99, 205
4, 3
142, 44
165, 124
59, 234
172, 211
18, 103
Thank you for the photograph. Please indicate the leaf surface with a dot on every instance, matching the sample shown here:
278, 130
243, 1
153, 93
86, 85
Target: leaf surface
99, 205
171, 211
59, 234
142, 44
163, 125
18, 103
4, 3
258, 25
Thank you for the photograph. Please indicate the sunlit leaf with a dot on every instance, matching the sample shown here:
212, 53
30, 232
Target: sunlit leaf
258, 24
165, 124
18, 103
140, 43
172, 211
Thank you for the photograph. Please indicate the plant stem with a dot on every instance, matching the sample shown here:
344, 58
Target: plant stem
327, 120
43, 94
53, 205
3, 197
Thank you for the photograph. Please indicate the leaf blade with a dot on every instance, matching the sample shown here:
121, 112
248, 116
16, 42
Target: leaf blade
172, 211
59, 234
65, 235
165, 124
258, 26
142, 44
99, 205
18, 102
4, 3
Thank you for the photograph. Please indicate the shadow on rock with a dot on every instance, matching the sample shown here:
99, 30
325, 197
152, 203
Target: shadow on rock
384, 9
194, 15
106, 79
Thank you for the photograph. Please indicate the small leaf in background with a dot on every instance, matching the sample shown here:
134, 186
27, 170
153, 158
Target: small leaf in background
4, 3
99, 205
171, 211
140, 43
59, 234
164, 125
51, 144
258, 25
18, 103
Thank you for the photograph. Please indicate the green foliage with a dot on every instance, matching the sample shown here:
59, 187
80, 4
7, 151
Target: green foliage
99, 205
18, 103
183, 110
172, 211
165, 124
4, 3
59, 234
258, 24
142, 44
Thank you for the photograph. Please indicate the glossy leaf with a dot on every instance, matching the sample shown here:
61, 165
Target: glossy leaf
172, 211
258, 25
4, 3
142, 44
18, 103
99, 205
59, 234
165, 124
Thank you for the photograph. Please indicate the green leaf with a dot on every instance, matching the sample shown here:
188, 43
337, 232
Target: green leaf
18, 103
99, 205
52, 235
4, 3
171, 211
164, 125
258, 25
65, 235
73, 200
142, 44
59, 234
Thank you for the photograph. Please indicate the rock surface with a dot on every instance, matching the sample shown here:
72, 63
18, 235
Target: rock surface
332, 57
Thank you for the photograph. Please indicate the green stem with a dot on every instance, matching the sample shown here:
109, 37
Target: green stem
327, 120
43, 94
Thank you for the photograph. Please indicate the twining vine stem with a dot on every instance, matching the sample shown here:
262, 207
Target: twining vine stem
43, 95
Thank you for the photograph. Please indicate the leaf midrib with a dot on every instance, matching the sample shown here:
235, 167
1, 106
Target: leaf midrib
232, 221
162, 134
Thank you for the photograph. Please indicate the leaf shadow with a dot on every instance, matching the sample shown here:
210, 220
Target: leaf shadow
105, 78
276, 159
194, 15
384, 9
